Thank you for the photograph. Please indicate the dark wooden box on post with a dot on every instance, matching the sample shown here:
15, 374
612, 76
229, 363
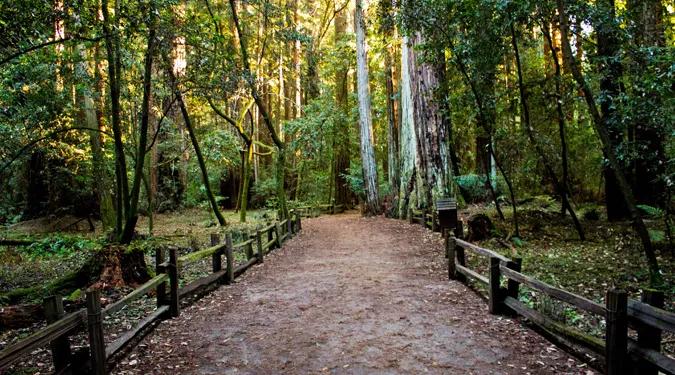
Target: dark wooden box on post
446, 209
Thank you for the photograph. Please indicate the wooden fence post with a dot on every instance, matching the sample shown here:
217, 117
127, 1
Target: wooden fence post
159, 269
299, 223
249, 247
270, 236
216, 258
289, 228
450, 245
460, 259
649, 337
434, 227
616, 335
277, 230
95, 326
495, 291
424, 218
174, 302
410, 216
60, 347
258, 240
229, 255
459, 230
513, 286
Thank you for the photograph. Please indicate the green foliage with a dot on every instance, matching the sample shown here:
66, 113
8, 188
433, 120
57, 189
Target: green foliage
355, 180
653, 212
474, 188
60, 245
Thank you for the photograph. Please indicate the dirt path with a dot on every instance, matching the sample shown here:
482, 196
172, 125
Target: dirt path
350, 296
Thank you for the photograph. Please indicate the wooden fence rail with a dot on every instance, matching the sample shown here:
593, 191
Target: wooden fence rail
168, 300
622, 355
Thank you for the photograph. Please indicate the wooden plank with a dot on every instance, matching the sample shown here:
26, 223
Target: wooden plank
593, 343
479, 250
243, 244
649, 337
563, 295
268, 228
136, 294
472, 274
268, 245
664, 363
197, 255
125, 339
655, 317
42, 337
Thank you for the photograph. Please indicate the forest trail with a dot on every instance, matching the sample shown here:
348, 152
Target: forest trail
348, 295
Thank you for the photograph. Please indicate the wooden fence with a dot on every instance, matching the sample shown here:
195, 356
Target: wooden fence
622, 354
94, 358
314, 211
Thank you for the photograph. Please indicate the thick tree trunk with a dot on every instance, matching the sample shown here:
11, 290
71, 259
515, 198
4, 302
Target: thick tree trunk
392, 126
341, 135
102, 181
408, 140
365, 121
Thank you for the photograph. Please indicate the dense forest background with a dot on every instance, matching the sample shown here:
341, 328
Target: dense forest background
118, 111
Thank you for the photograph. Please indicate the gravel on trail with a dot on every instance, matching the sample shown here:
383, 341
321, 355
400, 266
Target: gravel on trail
348, 295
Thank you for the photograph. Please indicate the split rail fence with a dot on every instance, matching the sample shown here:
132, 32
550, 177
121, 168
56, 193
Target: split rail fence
94, 358
622, 354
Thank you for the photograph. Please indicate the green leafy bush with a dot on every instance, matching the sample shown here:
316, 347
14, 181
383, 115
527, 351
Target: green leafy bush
473, 187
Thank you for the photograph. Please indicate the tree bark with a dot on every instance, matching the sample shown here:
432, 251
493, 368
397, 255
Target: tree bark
365, 121
407, 139
341, 135
114, 71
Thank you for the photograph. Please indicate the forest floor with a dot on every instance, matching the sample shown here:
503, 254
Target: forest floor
347, 295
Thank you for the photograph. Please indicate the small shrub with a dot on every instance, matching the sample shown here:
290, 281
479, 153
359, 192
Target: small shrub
592, 214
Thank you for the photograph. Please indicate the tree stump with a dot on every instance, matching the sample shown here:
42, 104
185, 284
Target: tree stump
480, 227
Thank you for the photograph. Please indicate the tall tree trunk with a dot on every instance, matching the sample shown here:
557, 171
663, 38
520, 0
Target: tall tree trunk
392, 126
132, 215
89, 116
365, 121
407, 139
247, 159
608, 149
114, 71
341, 134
